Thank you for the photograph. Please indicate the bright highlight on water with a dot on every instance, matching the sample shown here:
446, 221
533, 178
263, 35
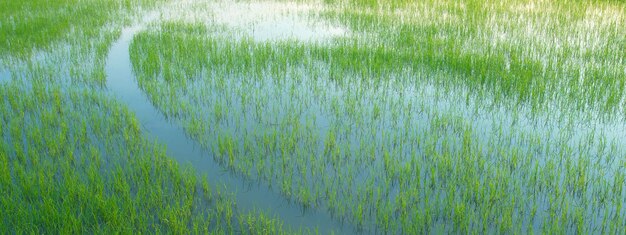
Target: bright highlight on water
327, 117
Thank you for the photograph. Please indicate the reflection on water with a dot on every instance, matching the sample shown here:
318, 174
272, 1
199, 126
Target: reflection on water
285, 114
248, 196
294, 29
5, 75
275, 21
262, 21
306, 109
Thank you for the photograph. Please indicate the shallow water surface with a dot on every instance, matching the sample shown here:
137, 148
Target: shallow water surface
361, 131
5, 75
248, 195
261, 21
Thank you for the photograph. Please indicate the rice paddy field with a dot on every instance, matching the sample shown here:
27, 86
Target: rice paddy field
313, 117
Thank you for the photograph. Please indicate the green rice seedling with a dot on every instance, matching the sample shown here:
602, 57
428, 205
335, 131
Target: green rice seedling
76, 161
426, 116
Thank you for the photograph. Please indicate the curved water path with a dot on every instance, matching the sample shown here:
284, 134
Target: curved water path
247, 195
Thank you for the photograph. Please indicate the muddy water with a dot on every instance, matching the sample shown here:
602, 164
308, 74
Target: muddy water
248, 195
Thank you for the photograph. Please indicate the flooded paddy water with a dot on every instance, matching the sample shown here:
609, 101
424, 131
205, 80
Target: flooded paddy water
362, 118
249, 195
5, 75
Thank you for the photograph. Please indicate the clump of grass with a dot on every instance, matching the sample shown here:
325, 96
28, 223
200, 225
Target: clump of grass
401, 128
33, 25
74, 160
64, 171
435, 116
